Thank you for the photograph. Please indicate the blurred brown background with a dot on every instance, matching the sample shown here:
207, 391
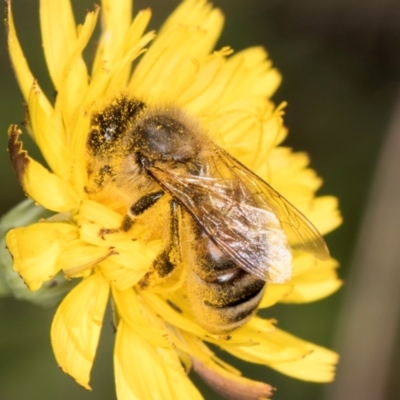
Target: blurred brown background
340, 62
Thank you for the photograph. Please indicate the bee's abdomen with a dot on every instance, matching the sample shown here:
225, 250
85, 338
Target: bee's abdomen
222, 295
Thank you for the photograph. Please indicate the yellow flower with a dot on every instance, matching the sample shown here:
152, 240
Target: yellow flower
157, 338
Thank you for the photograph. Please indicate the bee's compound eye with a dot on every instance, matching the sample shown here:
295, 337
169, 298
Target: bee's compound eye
164, 137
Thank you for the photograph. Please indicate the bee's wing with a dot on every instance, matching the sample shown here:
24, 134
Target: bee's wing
243, 215
301, 233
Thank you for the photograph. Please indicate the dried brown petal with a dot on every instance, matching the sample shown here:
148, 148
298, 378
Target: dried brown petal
19, 157
232, 387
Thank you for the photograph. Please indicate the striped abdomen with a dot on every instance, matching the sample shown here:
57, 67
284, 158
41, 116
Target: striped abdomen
222, 295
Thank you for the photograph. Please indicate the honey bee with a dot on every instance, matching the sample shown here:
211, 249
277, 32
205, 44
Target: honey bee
228, 227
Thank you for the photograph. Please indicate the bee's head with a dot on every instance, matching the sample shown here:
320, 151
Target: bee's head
164, 135
128, 129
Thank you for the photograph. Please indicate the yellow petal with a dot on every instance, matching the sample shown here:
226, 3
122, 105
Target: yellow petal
199, 350
258, 76
269, 345
45, 188
197, 13
132, 311
190, 33
275, 293
137, 28
145, 321
78, 258
94, 219
204, 75
228, 83
325, 214
307, 292
52, 141
136, 254
152, 77
58, 29
120, 276
312, 279
115, 23
298, 184
94, 212
143, 371
318, 366
133, 47
74, 79
76, 327
285, 353
170, 313
36, 248
21, 68
101, 80
77, 152
253, 123
117, 16
112, 65
290, 177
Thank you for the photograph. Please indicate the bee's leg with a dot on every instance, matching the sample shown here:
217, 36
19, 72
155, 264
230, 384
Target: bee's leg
143, 204
167, 260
